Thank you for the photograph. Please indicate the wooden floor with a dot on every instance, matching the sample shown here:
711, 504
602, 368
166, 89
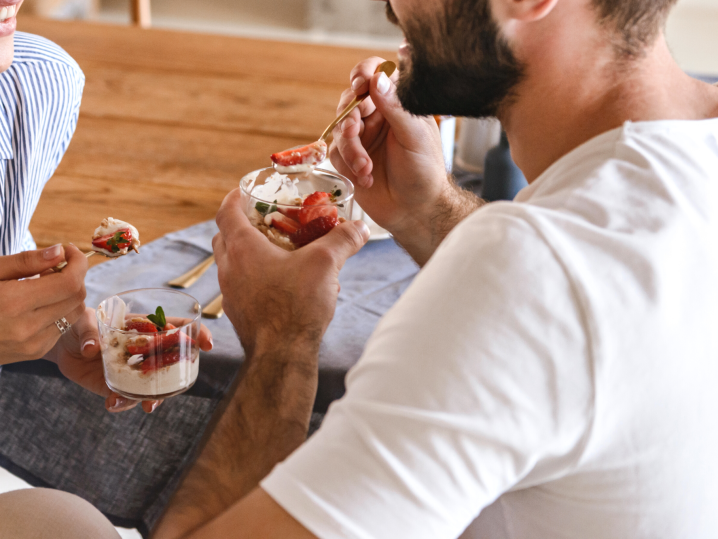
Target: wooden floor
170, 122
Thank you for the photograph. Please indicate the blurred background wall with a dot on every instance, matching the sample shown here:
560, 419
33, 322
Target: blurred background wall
692, 30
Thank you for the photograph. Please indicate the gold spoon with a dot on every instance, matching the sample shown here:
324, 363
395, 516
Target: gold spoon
61, 265
214, 309
388, 68
320, 149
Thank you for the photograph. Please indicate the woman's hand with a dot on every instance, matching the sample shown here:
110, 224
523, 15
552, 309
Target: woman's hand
78, 356
30, 307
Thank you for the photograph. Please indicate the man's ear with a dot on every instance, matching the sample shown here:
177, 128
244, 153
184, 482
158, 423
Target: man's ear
523, 10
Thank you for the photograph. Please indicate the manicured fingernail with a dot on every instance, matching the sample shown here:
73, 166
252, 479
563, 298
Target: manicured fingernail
358, 82
383, 84
211, 344
52, 252
89, 342
154, 406
120, 403
359, 164
347, 124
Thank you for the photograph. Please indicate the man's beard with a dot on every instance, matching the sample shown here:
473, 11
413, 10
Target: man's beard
460, 64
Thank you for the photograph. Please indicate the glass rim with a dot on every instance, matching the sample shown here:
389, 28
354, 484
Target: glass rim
344, 198
134, 331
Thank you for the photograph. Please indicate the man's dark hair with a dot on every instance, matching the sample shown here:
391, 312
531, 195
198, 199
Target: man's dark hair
638, 22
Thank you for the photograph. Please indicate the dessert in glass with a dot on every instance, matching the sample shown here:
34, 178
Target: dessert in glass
296, 208
149, 342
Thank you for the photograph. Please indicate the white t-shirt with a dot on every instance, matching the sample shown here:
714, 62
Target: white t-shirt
558, 354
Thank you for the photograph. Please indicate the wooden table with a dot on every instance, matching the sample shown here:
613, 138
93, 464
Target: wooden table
170, 121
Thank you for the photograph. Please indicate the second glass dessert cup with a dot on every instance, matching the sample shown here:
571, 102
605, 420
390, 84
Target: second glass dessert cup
294, 209
149, 353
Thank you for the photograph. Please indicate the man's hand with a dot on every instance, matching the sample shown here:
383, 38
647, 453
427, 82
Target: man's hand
274, 297
395, 160
280, 304
29, 308
78, 356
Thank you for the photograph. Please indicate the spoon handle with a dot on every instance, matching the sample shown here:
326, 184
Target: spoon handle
189, 278
61, 265
387, 67
214, 309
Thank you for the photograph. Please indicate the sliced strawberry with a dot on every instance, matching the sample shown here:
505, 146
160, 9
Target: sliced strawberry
313, 230
312, 154
143, 345
143, 325
148, 345
309, 214
317, 199
289, 211
116, 242
316, 205
284, 223
155, 363
170, 340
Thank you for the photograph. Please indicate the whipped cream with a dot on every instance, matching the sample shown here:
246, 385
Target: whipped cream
294, 169
280, 188
122, 378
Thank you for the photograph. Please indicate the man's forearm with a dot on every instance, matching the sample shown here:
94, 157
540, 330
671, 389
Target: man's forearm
266, 419
421, 239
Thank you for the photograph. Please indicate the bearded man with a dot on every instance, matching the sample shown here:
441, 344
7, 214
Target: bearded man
552, 370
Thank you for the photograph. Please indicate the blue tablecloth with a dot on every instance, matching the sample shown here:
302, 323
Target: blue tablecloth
57, 435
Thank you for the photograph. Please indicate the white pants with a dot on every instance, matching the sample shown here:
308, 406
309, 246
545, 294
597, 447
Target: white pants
38, 513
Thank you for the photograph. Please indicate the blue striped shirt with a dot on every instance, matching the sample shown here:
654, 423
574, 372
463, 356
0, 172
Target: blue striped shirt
40, 96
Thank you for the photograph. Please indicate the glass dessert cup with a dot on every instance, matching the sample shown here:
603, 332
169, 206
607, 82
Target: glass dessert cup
283, 206
149, 365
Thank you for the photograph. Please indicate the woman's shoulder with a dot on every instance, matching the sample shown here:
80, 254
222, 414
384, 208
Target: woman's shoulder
34, 49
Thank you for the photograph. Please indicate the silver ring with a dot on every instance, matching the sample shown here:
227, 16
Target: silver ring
63, 325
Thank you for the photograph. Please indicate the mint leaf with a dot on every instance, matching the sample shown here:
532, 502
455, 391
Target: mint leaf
265, 209
118, 240
158, 319
262, 207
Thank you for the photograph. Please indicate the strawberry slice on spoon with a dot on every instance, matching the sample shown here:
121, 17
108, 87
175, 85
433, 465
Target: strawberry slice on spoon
113, 238
304, 158
113, 243
300, 159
